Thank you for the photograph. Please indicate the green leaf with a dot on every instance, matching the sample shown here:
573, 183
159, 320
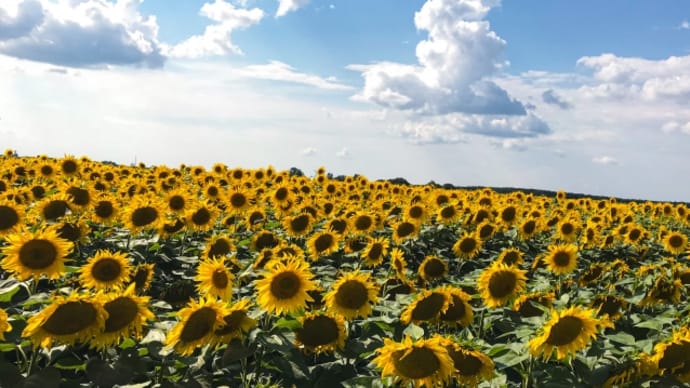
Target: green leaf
414, 331
622, 338
7, 293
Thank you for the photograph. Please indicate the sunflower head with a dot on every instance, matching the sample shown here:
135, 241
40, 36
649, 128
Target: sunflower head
5, 325
214, 278
498, 283
198, 323
321, 332
236, 322
427, 306
432, 268
398, 263
32, 254
561, 259
105, 270
471, 366
375, 251
459, 309
352, 295
420, 363
467, 246
127, 315
284, 287
322, 243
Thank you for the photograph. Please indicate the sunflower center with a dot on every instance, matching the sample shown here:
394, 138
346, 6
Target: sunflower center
199, 324
675, 241
565, 331
448, 212
561, 259
285, 285
172, 228
529, 227
201, 216
80, 197
144, 215
508, 214
176, 202
70, 318
467, 245
375, 251
567, 228
502, 284
141, 276
416, 212
456, 311
485, 231
265, 240
219, 248
8, 217
466, 364
635, 234
405, 229
55, 209
352, 295
69, 231
212, 191
675, 355
219, 279
363, 223
104, 209
300, 223
511, 257
69, 166
610, 305
428, 307
256, 217
593, 273
528, 308
233, 322
46, 170
434, 268
318, 331
238, 200
38, 192
37, 254
106, 269
338, 226
121, 312
323, 242
281, 194
417, 363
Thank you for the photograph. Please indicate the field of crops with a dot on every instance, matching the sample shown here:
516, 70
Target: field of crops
185, 276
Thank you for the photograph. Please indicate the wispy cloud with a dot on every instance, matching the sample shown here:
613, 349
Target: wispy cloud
309, 151
280, 71
606, 160
287, 6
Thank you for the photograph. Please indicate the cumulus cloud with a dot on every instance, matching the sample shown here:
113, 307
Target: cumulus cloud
280, 71
79, 33
606, 160
550, 97
287, 6
216, 39
456, 61
630, 77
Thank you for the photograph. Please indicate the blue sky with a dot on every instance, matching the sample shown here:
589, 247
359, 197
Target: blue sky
585, 96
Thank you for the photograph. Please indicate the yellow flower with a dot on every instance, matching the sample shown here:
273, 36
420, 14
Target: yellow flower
467, 246
459, 310
432, 268
284, 287
498, 283
375, 251
105, 270
425, 307
675, 242
321, 332
352, 295
471, 366
214, 278
12, 217
235, 323
5, 325
322, 244
32, 254
561, 259
127, 314
198, 323
421, 363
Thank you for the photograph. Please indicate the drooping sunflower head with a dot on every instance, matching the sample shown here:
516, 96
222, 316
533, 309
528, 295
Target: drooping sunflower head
375, 251
322, 243
427, 306
284, 287
352, 295
498, 283
127, 315
236, 322
609, 306
264, 239
105, 270
664, 290
32, 254
467, 246
567, 332
673, 356
432, 268
421, 363
214, 278
561, 259
141, 276
459, 309
525, 304
398, 262
321, 332
198, 323
592, 274
471, 366
66, 320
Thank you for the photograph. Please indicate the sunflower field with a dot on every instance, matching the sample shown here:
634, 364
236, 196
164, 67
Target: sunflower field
154, 276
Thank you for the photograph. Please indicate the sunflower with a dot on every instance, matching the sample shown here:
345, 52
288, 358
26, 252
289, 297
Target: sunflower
362, 223
352, 295
525, 304
432, 268
76, 231
66, 320
375, 251
568, 230
610, 306
264, 239
52, 207
322, 244
284, 288
529, 228
217, 246
508, 215
561, 259
105, 270
127, 314
511, 257
448, 214
255, 218
79, 197
178, 201
567, 331
143, 213
471, 366
321, 332
673, 356
201, 217
214, 278
142, 275
235, 323
416, 213
467, 246
398, 262
675, 242
281, 196
485, 230
198, 323
459, 309
238, 200
592, 274
664, 290
32, 254
425, 307
11, 217
420, 363
405, 230
69, 165
5, 326
298, 225
499, 282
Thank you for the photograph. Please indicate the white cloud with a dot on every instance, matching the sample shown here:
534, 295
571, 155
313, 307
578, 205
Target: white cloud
309, 151
606, 160
684, 25
344, 153
280, 71
674, 126
216, 39
287, 6
79, 33
550, 97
